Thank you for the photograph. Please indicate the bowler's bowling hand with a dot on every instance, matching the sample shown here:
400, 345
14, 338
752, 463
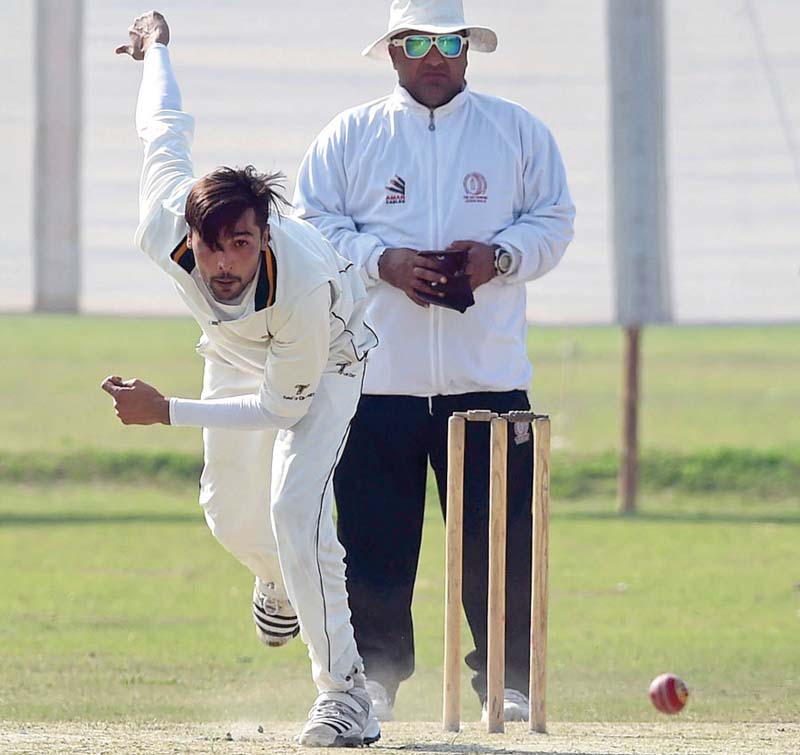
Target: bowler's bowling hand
136, 402
145, 31
412, 273
480, 261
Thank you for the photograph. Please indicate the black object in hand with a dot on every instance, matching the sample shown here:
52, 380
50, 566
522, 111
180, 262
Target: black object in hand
457, 291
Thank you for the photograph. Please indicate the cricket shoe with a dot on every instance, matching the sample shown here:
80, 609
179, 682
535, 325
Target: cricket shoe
275, 619
341, 719
382, 703
515, 707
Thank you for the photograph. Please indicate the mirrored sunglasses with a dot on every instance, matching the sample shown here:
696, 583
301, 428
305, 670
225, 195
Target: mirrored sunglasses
419, 45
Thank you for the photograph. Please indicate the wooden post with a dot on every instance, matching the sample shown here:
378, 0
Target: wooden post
641, 211
57, 158
496, 635
537, 693
456, 436
629, 459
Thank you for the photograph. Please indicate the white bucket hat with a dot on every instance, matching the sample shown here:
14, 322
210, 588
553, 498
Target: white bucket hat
432, 17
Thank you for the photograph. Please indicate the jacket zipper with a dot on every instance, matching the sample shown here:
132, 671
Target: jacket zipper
436, 318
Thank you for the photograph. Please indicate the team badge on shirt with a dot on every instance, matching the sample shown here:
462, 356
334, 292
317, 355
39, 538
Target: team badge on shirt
396, 189
475, 188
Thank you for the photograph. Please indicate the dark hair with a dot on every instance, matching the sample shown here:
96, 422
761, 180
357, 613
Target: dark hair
218, 200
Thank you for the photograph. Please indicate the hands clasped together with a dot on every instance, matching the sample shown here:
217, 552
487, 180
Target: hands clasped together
425, 279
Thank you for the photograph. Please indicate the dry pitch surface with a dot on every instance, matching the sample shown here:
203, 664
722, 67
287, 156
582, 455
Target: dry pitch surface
669, 738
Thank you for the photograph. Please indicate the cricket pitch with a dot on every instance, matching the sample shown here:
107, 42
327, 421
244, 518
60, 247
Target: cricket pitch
668, 738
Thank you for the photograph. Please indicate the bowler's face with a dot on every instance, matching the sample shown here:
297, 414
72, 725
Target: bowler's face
433, 80
231, 263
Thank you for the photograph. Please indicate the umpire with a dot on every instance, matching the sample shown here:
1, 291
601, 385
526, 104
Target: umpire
436, 166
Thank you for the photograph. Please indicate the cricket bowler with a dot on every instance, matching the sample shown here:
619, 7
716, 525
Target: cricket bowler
284, 344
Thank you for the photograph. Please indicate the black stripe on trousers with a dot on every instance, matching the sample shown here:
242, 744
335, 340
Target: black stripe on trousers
319, 523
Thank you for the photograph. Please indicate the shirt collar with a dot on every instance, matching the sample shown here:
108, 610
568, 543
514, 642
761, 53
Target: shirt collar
403, 99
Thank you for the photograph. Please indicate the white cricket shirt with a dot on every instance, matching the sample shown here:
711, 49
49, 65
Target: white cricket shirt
301, 317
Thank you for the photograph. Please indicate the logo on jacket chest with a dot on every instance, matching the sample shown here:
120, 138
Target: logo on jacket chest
396, 191
475, 188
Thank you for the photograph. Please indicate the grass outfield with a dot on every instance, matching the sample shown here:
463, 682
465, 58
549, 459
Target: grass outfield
116, 603
122, 606
703, 388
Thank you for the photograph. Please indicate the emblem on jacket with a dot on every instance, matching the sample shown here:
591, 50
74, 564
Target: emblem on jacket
396, 189
522, 432
475, 188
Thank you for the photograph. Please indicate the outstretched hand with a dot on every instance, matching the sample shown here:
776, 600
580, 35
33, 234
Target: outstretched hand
136, 402
145, 31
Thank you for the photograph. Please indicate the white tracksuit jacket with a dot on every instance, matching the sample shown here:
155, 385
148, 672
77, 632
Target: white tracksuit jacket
290, 355
393, 173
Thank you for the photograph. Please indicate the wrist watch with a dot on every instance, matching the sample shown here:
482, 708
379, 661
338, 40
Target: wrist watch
503, 260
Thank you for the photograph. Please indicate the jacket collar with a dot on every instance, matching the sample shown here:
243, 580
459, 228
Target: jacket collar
403, 100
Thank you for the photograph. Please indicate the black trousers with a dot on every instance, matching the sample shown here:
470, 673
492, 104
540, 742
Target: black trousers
380, 496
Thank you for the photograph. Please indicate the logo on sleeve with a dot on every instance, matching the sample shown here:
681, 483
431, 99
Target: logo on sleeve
299, 393
475, 188
343, 369
396, 191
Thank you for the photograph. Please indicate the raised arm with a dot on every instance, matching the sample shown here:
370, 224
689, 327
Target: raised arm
165, 130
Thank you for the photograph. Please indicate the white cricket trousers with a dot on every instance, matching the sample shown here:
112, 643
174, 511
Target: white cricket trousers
268, 498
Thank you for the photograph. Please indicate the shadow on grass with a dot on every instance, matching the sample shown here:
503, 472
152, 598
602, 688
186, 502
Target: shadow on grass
50, 520
696, 517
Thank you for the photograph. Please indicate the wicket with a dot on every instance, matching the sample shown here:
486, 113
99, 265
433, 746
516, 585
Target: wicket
498, 503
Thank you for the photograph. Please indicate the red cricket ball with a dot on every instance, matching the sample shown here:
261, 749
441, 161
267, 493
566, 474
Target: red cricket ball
669, 693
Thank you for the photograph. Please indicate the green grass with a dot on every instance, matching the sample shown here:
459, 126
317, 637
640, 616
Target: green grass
50, 397
121, 605
702, 388
766, 474
718, 410
116, 603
